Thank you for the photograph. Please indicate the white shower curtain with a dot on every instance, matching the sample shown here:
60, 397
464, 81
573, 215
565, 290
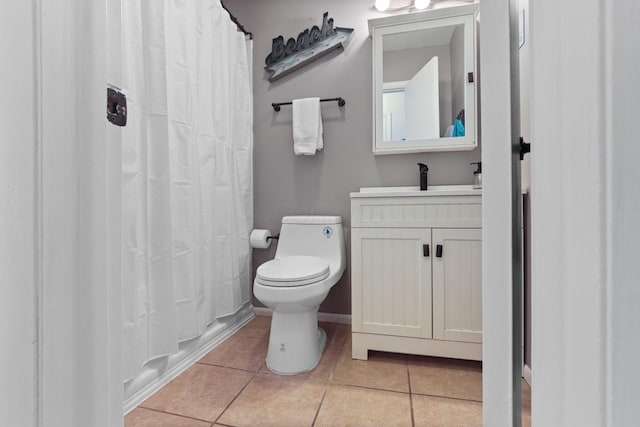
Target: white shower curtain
187, 194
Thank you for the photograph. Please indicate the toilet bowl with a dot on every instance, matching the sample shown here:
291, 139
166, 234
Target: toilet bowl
309, 260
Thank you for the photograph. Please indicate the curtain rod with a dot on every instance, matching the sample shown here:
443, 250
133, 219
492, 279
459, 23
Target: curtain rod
235, 21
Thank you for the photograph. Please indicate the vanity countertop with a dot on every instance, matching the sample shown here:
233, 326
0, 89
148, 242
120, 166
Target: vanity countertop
414, 191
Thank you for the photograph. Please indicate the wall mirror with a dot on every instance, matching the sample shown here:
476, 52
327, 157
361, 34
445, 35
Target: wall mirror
424, 81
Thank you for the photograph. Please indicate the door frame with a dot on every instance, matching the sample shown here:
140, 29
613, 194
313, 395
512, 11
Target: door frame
501, 246
78, 311
19, 272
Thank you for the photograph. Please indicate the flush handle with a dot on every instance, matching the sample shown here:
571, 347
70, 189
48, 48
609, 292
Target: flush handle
425, 250
439, 251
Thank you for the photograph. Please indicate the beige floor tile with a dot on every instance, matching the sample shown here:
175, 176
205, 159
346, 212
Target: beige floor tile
141, 417
201, 392
258, 327
442, 412
360, 393
271, 400
354, 406
526, 404
240, 352
446, 377
384, 371
336, 336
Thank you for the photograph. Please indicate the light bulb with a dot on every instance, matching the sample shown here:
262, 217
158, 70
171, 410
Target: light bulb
382, 5
421, 4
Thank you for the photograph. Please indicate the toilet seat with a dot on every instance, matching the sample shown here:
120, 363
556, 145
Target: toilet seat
292, 271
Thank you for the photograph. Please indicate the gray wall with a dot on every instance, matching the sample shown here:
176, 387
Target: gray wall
285, 184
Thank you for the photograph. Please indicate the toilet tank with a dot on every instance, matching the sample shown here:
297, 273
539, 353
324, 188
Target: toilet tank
312, 235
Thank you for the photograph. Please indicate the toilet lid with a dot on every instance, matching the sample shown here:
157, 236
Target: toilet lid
292, 271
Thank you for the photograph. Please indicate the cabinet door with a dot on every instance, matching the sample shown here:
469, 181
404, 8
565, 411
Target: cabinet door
391, 281
457, 285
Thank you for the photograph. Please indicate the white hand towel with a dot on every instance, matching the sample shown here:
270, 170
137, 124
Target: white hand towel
307, 126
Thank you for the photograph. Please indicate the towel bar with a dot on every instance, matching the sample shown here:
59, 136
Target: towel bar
276, 105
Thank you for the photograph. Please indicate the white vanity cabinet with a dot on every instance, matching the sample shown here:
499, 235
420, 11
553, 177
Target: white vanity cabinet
457, 285
391, 281
416, 265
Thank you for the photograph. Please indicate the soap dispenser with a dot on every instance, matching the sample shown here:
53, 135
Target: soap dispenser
423, 176
477, 175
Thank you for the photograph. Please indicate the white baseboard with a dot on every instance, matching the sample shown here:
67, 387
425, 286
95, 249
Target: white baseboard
322, 317
160, 372
526, 374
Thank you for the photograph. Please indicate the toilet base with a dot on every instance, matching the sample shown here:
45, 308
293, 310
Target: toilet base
296, 343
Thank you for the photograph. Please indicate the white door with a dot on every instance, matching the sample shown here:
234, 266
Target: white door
457, 285
391, 281
422, 103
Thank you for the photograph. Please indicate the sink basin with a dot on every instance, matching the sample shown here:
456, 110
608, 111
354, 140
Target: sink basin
414, 191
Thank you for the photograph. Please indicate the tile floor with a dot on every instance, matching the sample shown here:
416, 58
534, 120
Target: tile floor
231, 386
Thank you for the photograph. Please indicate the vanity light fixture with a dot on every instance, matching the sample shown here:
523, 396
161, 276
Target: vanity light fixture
385, 5
382, 5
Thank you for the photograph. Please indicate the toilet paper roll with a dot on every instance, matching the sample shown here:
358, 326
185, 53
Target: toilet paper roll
259, 239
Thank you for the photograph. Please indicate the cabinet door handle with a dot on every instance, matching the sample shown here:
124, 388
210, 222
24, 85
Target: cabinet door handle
439, 251
425, 250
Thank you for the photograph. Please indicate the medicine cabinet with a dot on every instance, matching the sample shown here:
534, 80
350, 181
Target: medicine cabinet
425, 81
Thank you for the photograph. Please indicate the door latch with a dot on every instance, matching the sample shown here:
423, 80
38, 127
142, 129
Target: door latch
525, 147
116, 107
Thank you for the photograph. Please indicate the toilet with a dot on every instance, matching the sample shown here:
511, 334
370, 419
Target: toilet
309, 260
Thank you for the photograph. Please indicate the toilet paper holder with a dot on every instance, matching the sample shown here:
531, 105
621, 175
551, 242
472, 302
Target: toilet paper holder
276, 237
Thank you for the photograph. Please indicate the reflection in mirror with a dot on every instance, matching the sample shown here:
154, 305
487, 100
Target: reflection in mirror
423, 84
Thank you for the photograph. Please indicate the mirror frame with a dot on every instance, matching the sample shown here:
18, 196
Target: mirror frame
379, 27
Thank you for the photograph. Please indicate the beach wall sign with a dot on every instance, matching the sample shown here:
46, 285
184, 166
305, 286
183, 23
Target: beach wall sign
310, 45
